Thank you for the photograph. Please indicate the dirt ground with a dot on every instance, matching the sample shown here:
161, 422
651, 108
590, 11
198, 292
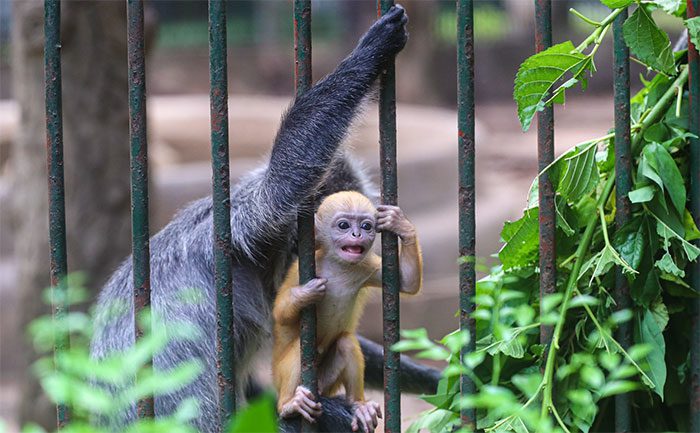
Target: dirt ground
506, 165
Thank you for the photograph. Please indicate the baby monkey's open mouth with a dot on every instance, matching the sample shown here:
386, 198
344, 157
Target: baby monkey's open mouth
354, 249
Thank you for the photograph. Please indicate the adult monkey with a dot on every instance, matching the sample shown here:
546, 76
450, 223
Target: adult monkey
306, 161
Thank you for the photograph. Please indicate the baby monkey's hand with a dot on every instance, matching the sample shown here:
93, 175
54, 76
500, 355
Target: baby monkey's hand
310, 293
391, 218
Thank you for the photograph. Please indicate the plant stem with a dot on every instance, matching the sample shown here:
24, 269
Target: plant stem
522, 408
655, 114
600, 29
584, 18
608, 338
496, 372
559, 420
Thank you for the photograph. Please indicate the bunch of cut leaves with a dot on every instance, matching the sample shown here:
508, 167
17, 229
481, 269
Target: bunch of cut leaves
524, 386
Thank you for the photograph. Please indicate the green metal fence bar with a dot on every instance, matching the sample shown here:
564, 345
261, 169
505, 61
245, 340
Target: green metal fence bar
54, 151
139, 172
545, 156
467, 221
694, 116
390, 245
305, 219
221, 196
623, 183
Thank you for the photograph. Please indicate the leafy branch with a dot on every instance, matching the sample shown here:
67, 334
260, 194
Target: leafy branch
513, 373
659, 108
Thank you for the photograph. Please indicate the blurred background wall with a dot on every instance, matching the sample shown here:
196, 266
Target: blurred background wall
261, 85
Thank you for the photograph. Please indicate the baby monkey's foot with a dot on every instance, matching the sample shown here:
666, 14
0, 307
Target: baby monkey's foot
302, 403
366, 416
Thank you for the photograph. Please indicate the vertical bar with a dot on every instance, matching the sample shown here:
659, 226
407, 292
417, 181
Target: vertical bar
221, 196
390, 256
467, 222
623, 183
545, 155
305, 219
54, 150
139, 173
694, 117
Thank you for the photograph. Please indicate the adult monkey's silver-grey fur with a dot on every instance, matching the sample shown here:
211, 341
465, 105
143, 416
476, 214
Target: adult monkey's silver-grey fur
306, 161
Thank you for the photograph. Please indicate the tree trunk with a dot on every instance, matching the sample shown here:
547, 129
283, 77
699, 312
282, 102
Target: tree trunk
95, 110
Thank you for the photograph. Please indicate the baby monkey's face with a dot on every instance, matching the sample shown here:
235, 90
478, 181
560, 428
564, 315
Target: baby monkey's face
352, 235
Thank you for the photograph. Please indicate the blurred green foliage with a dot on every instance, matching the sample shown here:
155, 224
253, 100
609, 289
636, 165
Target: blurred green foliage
490, 24
103, 389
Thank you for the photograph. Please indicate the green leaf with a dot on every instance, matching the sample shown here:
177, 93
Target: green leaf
642, 194
437, 420
513, 348
616, 4
578, 173
647, 42
691, 230
629, 241
539, 73
649, 332
660, 211
435, 353
581, 300
617, 387
669, 6
593, 376
258, 417
657, 132
667, 265
658, 165
584, 210
660, 313
693, 25
522, 240
562, 223
609, 360
29, 428
691, 251
528, 384
646, 288
603, 261
550, 301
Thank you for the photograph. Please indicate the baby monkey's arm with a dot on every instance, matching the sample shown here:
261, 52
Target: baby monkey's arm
391, 218
292, 299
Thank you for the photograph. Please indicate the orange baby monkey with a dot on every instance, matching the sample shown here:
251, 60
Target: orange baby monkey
346, 225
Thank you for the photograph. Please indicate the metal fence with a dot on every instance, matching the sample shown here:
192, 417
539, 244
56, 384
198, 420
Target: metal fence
387, 113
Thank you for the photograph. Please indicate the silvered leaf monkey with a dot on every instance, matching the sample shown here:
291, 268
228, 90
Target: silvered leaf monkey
306, 161
346, 225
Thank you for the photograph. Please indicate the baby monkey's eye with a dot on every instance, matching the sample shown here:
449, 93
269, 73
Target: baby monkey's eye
343, 225
366, 226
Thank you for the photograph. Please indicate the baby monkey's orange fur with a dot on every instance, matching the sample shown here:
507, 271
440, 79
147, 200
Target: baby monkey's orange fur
346, 224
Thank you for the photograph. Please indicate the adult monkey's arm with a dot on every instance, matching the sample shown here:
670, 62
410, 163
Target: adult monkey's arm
312, 131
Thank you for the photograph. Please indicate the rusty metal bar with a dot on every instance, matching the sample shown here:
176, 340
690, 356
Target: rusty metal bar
545, 155
467, 221
623, 183
305, 219
694, 117
54, 151
221, 196
139, 173
390, 245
